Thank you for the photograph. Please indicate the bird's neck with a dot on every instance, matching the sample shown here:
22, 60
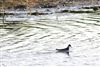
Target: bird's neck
68, 47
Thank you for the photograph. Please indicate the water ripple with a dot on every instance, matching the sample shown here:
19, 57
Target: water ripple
35, 42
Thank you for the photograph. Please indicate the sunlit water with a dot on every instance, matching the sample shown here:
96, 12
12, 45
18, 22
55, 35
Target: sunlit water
36, 42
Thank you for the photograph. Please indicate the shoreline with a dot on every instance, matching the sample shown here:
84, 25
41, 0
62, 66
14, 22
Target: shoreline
45, 11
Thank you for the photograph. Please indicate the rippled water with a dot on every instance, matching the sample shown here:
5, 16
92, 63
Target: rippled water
35, 42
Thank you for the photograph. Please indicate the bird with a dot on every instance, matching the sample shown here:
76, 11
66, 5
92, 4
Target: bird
65, 50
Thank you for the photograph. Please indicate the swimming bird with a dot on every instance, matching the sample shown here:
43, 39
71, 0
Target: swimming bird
64, 50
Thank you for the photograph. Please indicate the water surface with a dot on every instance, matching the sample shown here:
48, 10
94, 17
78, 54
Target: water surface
34, 42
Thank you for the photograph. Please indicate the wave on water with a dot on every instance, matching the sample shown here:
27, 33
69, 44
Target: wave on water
35, 42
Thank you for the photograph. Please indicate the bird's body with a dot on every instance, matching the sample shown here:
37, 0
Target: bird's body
64, 50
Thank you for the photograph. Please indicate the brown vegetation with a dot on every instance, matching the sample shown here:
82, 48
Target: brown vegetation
35, 3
